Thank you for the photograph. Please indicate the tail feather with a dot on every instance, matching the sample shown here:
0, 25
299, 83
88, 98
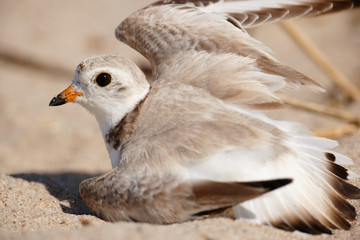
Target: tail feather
344, 208
316, 201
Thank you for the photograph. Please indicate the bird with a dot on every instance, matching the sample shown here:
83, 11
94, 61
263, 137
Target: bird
195, 142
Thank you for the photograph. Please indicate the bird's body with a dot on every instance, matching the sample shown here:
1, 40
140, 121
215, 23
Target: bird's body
195, 142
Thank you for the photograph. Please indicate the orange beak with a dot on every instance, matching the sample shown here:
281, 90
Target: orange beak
66, 96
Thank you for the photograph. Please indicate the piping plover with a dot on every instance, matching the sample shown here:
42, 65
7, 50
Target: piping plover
195, 142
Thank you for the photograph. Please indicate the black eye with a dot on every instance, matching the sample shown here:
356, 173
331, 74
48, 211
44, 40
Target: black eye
103, 79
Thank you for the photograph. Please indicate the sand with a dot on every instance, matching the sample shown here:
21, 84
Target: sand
45, 152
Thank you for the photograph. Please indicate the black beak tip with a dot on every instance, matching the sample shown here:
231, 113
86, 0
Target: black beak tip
57, 101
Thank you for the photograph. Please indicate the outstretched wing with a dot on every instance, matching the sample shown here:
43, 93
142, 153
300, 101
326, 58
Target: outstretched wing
167, 29
253, 13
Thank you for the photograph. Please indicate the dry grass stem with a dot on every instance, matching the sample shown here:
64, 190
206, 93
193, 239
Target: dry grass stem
323, 109
320, 59
336, 131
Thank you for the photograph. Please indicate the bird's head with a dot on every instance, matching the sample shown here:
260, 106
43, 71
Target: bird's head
107, 86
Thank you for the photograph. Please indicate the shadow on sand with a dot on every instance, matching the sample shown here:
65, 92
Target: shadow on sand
63, 186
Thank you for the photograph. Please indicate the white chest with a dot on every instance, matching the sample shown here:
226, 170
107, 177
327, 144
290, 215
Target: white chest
114, 155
